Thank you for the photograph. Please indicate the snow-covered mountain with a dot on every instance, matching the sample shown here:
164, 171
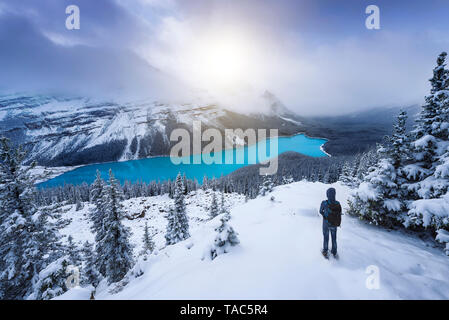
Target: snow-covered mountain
71, 131
278, 256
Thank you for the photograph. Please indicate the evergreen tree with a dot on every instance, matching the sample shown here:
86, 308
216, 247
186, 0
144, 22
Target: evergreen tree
97, 214
346, 176
205, 183
28, 239
226, 237
429, 136
96, 197
367, 160
267, 186
326, 177
185, 184
427, 177
78, 199
223, 208
90, 274
213, 210
441, 184
52, 281
178, 223
114, 246
398, 142
170, 189
73, 252
148, 244
379, 198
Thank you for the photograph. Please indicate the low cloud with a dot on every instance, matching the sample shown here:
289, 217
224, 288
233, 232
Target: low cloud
315, 56
42, 58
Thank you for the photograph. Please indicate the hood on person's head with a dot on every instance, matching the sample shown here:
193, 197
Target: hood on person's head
331, 194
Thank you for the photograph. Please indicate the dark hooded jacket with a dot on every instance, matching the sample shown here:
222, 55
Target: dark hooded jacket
330, 193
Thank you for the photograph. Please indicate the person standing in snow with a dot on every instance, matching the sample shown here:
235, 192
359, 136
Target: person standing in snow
330, 209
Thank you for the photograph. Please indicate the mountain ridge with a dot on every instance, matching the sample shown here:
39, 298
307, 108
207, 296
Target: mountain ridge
61, 131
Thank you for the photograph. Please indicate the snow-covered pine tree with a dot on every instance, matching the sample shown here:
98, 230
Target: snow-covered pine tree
213, 210
172, 226
178, 195
320, 175
433, 212
115, 248
148, 244
96, 197
326, 177
97, 214
73, 252
205, 183
223, 207
170, 189
185, 184
90, 274
78, 199
52, 281
29, 240
367, 160
441, 174
427, 178
178, 223
213, 184
267, 185
225, 238
429, 135
398, 142
346, 176
379, 198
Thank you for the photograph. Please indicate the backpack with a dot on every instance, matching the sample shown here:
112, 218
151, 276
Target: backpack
334, 214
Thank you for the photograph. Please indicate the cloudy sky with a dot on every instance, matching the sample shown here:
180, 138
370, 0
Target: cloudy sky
316, 56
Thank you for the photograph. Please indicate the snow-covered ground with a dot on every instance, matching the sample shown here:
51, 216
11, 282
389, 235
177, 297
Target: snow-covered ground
50, 172
279, 255
147, 209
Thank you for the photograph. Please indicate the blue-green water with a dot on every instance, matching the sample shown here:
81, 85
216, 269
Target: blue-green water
162, 168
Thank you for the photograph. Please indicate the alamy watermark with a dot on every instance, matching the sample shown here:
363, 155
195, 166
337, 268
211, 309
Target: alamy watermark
189, 148
372, 22
373, 280
73, 280
73, 22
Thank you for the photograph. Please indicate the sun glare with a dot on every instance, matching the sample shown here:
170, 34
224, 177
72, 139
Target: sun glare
222, 61
225, 61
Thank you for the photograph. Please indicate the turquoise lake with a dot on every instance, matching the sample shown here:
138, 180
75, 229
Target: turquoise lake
162, 168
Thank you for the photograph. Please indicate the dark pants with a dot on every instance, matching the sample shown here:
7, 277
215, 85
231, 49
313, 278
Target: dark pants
333, 231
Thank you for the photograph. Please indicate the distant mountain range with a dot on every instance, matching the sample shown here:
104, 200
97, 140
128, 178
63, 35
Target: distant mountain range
62, 131
67, 131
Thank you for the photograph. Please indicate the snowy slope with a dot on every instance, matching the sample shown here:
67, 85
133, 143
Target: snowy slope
279, 256
146, 209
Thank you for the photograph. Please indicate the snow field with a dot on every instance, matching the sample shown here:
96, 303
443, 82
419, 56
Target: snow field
279, 255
